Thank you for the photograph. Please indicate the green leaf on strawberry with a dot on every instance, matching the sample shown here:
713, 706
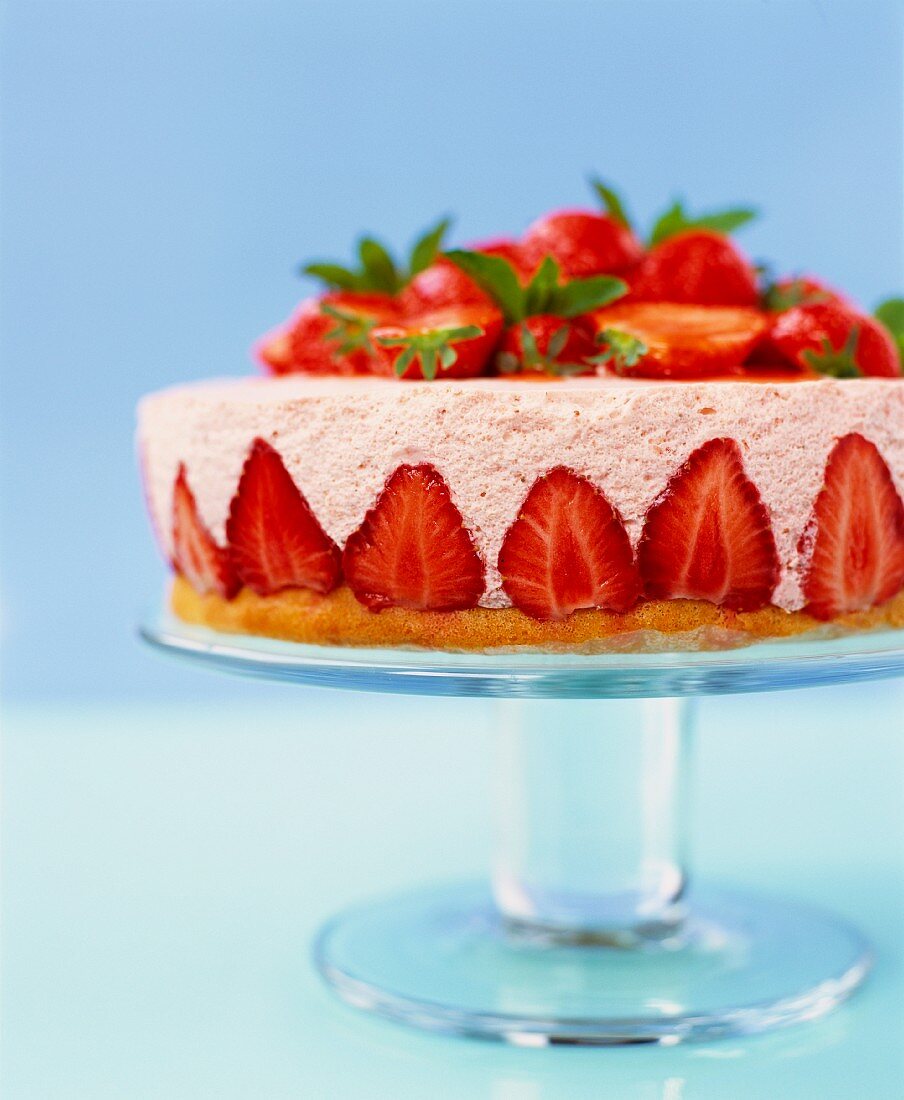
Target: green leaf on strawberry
379, 267
433, 349
540, 289
612, 202
777, 297
378, 271
426, 247
531, 355
676, 220
333, 275
495, 277
836, 362
543, 294
621, 349
583, 295
533, 359
890, 313
352, 330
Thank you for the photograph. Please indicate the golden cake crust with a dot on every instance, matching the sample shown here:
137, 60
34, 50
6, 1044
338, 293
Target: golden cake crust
297, 615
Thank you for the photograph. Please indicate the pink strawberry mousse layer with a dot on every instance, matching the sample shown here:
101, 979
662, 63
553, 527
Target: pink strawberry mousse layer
340, 438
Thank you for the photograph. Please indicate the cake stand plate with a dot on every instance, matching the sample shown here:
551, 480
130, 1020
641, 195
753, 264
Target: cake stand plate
765, 667
590, 932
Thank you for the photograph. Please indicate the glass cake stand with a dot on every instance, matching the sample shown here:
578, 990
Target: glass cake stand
590, 931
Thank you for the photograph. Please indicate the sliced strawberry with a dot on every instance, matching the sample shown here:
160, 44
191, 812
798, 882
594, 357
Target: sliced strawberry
856, 534
699, 267
583, 243
196, 556
708, 536
274, 538
833, 338
683, 341
568, 549
454, 342
412, 548
552, 345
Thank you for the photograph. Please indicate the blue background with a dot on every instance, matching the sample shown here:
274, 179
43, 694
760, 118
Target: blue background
164, 168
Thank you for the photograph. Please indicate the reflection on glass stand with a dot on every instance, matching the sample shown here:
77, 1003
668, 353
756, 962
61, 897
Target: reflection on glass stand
592, 930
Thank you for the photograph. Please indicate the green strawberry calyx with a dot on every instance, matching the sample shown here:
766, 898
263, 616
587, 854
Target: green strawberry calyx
533, 359
621, 350
434, 350
777, 299
676, 220
890, 314
612, 202
545, 293
836, 362
377, 270
352, 330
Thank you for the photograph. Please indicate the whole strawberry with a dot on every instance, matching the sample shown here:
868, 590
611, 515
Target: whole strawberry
835, 339
583, 242
697, 267
691, 260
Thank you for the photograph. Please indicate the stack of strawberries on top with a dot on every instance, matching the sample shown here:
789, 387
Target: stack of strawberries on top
606, 438
580, 292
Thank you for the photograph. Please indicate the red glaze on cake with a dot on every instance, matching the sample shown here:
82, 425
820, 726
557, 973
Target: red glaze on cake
568, 439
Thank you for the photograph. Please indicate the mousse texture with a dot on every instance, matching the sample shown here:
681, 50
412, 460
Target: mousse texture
490, 439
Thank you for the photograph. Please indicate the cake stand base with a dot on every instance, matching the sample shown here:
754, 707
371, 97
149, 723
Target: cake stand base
445, 960
589, 931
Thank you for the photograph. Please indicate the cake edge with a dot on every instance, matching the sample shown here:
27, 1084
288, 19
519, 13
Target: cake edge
299, 615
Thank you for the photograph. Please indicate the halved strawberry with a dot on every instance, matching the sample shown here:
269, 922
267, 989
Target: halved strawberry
856, 534
196, 555
699, 267
548, 344
681, 341
568, 549
834, 339
412, 548
274, 538
274, 351
582, 243
453, 342
708, 535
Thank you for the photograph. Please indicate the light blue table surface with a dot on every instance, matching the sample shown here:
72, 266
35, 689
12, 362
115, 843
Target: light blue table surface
166, 865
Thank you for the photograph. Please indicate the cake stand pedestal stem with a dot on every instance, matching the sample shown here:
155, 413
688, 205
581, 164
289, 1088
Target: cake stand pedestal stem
592, 817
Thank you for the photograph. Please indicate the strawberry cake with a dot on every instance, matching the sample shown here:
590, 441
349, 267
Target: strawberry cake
574, 439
